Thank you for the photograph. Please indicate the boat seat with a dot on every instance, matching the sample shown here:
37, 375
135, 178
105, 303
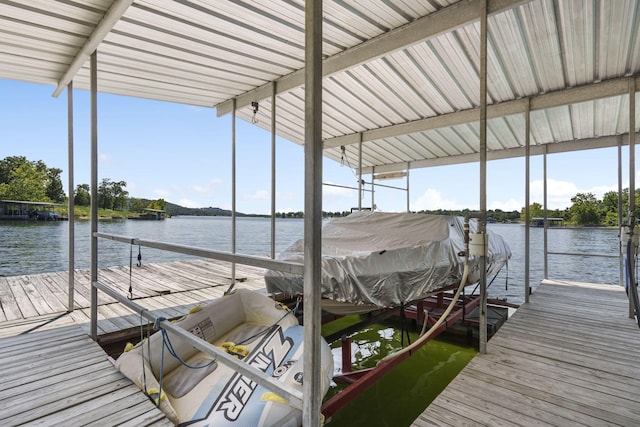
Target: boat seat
229, 313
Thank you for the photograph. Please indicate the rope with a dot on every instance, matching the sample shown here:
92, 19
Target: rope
166, 341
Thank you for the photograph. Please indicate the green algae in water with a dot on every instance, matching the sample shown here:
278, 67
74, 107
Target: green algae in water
398, 398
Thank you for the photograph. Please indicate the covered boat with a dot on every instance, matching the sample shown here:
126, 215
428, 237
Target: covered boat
198, 391
377, 259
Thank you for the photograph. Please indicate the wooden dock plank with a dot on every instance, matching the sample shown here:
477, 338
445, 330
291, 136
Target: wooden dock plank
570, 356
64, 378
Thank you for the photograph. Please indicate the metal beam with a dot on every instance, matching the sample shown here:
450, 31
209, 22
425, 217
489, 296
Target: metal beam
70, 203
574, 95
273, 171
94, 193
449, 18
312, 213
527, 202
482, 222
110, 19
558, 147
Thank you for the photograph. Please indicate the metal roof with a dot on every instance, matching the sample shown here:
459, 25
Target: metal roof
400, 75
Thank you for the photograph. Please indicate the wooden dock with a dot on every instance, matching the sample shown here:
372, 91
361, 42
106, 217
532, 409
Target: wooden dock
569, 357
167, 289
61, 377
53, 374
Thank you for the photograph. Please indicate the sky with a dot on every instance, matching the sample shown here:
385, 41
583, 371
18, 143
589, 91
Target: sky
182, 154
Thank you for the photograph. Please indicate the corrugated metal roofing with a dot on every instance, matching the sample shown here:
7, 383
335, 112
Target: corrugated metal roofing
403, 75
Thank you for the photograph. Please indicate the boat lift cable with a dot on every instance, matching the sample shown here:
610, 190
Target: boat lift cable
130, 296
139, 264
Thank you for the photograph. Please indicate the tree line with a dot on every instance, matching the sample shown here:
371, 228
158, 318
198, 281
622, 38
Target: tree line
33, 181
587, 210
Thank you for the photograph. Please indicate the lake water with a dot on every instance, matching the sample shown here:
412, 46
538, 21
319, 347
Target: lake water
38, 247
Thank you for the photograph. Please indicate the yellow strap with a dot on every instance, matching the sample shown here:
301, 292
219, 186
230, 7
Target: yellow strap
154, 392
272, 397
236, 350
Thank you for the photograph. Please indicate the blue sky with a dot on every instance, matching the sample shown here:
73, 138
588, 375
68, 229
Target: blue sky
183, 154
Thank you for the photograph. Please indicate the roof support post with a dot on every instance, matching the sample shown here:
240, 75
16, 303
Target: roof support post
408, 199
483, 174
71, 203
527, 198
273, 171
373, 188
360, 192
233, 192
632, 177
312, 213
620, 216
545, 214
94, 194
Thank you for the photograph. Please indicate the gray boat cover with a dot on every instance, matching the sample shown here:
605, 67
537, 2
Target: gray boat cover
389, 259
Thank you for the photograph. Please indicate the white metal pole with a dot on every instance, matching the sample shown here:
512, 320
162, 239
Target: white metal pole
483, 174
408, 198
312, 213
360, 192
373, 189
71, 203
273, 171
545, 215
527, 211
233, 192
94, 193
632, 176
620, 216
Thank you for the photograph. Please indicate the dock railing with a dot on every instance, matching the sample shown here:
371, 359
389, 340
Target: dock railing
293, 396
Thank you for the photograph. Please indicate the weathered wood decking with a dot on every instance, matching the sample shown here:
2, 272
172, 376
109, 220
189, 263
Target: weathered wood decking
60, 377
167, 289
569, 357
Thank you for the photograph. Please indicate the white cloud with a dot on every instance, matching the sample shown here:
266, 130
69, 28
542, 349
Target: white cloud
432, 199
162, 194
330, 191
286, 195
559, 193
258, 195
187, 203
105, 158
508, 206
601, 189
208, 187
